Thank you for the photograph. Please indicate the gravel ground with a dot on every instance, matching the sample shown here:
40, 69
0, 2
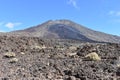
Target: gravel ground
32, 58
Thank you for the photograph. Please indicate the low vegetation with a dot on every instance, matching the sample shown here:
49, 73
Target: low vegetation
13, 60
9, 54
93, 56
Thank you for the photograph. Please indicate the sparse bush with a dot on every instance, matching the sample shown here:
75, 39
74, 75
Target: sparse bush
13, 60
9, 54
93, 56
73, 48
38, 47
35, 47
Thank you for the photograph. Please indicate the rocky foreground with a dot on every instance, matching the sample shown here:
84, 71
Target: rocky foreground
32, 58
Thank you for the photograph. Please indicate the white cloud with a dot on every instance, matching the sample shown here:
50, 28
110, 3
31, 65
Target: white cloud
11, 25
114, 13
73, 3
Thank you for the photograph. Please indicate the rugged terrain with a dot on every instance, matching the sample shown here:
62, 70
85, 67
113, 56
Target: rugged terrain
59, 50
33, 58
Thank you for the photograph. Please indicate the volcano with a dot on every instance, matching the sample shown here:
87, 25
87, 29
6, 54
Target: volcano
66, 29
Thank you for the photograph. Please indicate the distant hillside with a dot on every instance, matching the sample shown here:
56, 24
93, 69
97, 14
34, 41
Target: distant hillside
66, 29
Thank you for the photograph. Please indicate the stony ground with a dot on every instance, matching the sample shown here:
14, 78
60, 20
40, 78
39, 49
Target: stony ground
31, 58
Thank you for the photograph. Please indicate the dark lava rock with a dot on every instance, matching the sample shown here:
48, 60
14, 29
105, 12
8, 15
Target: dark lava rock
49, 60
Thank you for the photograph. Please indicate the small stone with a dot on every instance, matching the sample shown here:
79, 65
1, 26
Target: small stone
72, 54
49, 76
71, 78
22, 53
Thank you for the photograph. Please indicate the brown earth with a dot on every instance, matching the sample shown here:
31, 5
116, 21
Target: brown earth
32, 58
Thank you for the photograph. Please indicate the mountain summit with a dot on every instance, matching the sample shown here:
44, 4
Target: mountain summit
66, 29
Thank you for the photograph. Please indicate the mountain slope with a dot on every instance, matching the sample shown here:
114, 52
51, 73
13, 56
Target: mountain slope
66, 29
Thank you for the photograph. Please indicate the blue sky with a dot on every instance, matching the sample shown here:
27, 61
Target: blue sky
100, 15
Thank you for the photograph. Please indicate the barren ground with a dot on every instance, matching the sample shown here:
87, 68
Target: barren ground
41, 59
